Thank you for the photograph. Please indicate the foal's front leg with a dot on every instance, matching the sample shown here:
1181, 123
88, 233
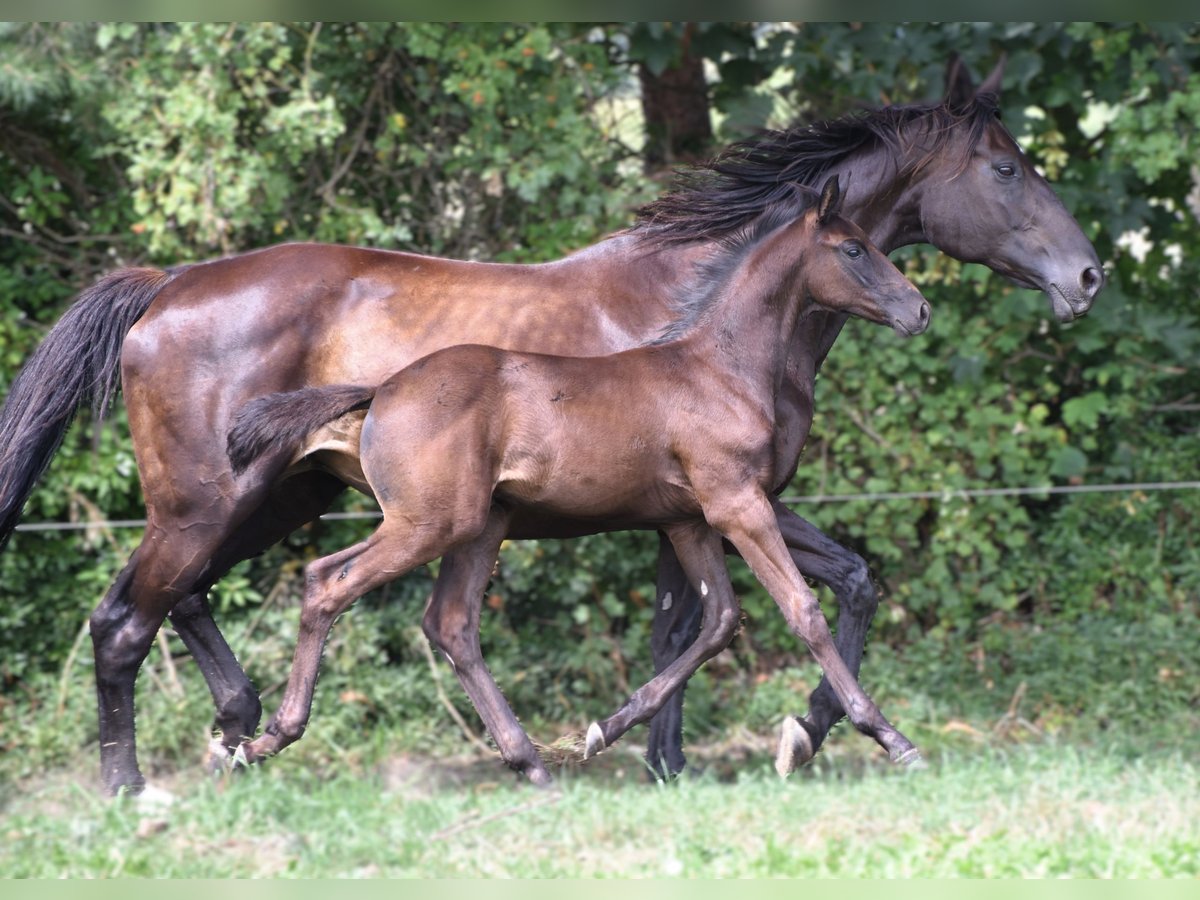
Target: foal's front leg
748, 520
700, 552
677, 617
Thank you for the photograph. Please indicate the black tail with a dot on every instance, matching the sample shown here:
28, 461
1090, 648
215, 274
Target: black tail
279, 422
78, 362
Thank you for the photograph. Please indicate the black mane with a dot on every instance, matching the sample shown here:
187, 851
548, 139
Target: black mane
712, 275
715, 199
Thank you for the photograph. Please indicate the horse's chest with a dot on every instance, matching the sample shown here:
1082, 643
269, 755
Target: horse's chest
793, 422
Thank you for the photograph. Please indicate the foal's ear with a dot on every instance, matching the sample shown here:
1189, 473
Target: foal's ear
831, 200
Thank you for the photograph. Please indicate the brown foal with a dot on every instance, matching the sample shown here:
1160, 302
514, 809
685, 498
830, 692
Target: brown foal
680, 435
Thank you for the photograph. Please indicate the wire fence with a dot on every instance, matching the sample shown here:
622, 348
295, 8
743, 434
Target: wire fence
944, 495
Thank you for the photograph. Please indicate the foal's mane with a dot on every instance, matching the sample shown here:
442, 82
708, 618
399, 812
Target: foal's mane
712, 275
715, 199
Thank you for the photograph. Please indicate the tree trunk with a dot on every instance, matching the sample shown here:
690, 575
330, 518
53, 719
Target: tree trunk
675, 107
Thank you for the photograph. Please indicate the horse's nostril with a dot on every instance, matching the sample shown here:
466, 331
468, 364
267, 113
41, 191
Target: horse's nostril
923, 314
1091, 281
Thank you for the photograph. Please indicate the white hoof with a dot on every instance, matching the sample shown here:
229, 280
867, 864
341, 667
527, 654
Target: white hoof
595, 741
238, 760
911, 759
795, 747
154, 799
217, 758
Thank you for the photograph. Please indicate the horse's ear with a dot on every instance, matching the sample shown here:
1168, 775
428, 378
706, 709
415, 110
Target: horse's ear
991, 84
960, 90
831, 200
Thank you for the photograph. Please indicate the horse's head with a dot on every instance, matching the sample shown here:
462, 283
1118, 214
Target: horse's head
981, 200
849, 274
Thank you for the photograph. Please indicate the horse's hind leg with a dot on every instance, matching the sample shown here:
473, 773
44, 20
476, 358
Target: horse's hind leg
677, 616
299, 500
702, 556
452, 623
123, 627
238, 708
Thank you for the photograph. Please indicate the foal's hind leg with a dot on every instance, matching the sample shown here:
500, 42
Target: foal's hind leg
452, 624
332, 584
703, 558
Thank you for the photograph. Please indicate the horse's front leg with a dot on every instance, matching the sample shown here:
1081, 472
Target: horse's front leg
748, 521
676, 624
820, 557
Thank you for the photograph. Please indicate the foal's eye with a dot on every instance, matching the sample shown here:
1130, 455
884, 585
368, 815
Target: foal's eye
853, 250
1006, 170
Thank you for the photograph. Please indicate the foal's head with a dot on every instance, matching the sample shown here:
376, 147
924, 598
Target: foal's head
845, 272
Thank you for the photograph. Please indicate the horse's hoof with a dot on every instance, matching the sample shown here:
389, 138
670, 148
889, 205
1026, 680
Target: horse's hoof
240, 759
595, 741
911, 759
154, 799
216, 758
539, 777
795, 747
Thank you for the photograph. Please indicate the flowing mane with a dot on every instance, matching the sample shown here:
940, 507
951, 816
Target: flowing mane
715, 199
712, 275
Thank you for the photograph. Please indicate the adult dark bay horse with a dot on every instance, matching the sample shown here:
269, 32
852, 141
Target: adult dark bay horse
196, 342
472, 444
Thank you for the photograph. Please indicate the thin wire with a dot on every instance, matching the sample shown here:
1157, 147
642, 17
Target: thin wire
964, 493
945, 495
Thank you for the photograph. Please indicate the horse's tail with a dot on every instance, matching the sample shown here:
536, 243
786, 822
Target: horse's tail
279, 422
77, 362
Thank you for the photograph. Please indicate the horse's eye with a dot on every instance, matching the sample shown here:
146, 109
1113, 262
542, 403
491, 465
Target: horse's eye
1006, 170
853, 250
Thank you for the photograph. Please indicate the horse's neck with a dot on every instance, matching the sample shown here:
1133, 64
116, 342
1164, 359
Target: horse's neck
884, 203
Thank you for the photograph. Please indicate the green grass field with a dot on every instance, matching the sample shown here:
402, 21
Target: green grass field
1042, 811
1065, 751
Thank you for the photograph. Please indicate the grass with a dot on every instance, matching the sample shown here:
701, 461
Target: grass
1054, 752
1045, 811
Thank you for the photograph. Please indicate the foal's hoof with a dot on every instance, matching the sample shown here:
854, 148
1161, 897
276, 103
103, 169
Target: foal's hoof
910, 759
795, 746
595, 741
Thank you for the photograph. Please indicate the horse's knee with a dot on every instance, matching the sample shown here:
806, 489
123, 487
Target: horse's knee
239, 711
121, 638
727, 624
858, 590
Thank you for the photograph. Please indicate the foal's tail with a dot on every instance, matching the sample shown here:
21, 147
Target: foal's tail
77, 362
279, 422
